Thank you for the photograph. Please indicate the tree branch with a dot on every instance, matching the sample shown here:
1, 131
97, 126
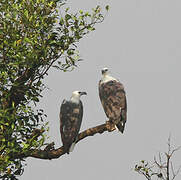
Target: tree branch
56, 153
168, 166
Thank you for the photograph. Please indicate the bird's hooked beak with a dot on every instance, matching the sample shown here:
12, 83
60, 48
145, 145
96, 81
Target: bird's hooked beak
83, 93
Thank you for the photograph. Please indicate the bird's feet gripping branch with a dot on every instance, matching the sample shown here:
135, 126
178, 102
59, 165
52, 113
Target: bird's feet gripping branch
110, 126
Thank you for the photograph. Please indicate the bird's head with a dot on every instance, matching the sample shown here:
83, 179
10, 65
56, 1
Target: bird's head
76, 96
105, 71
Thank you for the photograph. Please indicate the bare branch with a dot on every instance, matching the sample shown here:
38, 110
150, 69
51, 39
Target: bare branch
56, 153
147, 177
168, 165
177, 172
176, 149
169, 155
169, 143
156, 162
174, 174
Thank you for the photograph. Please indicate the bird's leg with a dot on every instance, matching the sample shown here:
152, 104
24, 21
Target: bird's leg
110, 126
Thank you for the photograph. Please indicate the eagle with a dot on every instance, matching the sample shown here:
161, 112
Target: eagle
113, 99
71, 112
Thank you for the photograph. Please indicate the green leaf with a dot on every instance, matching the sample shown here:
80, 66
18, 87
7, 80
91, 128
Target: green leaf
67, 17
12, 126
27, 40
3, 139
87, 14
67, 9
25, 146
26, 13
61, 21
107, 7
81, 12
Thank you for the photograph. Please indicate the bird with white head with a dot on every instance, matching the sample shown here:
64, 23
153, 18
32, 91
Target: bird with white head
113, 99
71, 113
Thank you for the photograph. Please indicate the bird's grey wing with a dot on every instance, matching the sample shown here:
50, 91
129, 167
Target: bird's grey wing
71, 118
65, 124
123, 113
103, 97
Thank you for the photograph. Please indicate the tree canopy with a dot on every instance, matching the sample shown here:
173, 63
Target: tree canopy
35, 35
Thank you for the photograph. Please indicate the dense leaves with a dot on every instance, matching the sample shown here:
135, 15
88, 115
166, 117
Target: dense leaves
33, 38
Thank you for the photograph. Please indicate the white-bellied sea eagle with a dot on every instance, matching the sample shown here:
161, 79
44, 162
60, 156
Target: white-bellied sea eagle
71, 112
113, 99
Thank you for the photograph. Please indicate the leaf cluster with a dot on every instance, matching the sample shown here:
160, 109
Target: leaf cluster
147, 170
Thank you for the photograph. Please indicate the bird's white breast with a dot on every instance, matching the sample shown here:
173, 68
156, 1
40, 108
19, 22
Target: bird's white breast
107, 78
75, 100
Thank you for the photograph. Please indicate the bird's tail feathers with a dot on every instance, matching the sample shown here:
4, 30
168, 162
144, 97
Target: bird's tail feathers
66, 148
72, 147
120, 126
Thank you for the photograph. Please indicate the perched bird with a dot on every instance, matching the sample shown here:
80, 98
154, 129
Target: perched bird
113, 99
71, 113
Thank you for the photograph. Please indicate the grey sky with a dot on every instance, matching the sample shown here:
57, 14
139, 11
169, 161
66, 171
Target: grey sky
140, 42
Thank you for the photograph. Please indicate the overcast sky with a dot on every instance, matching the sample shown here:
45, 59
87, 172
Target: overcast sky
140, 42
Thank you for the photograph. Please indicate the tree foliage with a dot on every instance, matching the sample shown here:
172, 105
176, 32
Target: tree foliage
33, 38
